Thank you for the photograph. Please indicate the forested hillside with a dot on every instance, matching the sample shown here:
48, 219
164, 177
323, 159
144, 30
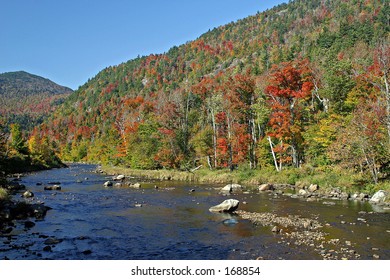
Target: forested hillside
27, 99
303, 85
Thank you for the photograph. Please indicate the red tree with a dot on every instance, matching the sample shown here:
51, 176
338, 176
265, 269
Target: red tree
290, 87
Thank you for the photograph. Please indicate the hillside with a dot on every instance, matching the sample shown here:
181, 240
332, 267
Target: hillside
27, 99
304, 84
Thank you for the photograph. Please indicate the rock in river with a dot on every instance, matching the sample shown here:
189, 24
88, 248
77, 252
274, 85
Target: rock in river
27, 194
229, 205
119, 178
378, 197
107, 184
52, 188
232, 188
266, 187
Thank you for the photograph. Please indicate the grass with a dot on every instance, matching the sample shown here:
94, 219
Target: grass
3, 194
325, 177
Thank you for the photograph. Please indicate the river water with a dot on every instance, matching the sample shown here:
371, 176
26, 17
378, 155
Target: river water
92, 222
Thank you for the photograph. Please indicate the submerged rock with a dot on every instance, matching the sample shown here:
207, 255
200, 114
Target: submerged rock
52, 188
230, 222
229, 205
52, 241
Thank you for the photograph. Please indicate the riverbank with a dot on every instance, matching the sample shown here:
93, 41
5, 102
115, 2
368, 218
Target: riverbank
327, 179
306, 184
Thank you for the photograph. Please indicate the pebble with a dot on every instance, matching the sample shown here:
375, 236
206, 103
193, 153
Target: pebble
47, 248
29, 224
375, 256
52, 241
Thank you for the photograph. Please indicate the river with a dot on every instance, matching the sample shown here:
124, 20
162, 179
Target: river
172, 221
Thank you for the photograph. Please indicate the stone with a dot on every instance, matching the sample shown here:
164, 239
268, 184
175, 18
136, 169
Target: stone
28, 194
39, 211
363, 196
345, 196
47, 248
276, 229
232, 188
229, 205
230, 222
52, 241
136, 186
302, 192
107, 184
118, 185
379, 197
313, 188
29, 224
119, 178
52, 188
266, 187
226, 189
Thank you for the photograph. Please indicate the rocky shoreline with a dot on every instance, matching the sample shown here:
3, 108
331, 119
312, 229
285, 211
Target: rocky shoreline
12, 209
297, 231
312, 192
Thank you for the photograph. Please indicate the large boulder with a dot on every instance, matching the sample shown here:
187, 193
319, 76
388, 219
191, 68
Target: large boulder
229, 205
379, 197
232, 188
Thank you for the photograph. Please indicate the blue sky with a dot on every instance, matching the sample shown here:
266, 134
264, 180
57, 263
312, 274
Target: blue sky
70, 41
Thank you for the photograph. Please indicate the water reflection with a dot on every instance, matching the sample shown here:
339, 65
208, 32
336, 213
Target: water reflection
173, 222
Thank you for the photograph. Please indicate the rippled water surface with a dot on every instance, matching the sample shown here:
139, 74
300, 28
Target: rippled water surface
93, 222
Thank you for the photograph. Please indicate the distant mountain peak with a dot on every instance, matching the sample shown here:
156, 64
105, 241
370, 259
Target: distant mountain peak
27, 99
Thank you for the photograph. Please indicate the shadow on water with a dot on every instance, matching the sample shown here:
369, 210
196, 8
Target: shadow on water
172, 221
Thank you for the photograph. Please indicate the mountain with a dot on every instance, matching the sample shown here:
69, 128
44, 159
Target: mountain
301, 84
27, 99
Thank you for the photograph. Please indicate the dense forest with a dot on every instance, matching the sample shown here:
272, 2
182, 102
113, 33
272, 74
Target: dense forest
28, 99
304, 85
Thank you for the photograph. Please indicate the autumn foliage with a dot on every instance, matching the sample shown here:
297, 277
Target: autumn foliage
304, 83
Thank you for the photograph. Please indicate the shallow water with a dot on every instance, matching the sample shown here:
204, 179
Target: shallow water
93, 222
